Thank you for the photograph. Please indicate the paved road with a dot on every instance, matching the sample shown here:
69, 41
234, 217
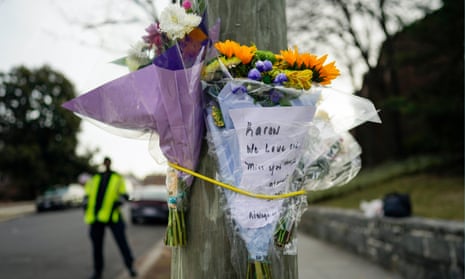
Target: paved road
56, 245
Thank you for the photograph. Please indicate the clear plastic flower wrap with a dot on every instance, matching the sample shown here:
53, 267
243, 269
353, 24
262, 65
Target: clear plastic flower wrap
257, 150
275, 135
337, 165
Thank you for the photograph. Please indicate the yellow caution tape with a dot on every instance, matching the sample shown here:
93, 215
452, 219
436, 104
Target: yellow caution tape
235, 189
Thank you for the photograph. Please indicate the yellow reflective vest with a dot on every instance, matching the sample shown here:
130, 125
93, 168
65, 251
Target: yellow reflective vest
108, 212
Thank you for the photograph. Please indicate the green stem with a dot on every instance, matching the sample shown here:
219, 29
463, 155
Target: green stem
258, 270
184, 228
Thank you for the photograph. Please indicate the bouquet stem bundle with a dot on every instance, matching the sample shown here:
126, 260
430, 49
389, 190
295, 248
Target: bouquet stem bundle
284, 231
258, 270
176, 230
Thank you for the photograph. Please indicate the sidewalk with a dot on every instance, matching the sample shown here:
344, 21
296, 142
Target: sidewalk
316, 259
11, 210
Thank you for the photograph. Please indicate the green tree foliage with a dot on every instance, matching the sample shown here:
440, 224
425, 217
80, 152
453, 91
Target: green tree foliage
425, 114
38, 138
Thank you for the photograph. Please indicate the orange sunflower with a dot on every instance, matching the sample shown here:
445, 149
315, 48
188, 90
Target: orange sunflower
328, 73
230, 48
245, 53
310, 61
325, 73
291, 57
227, 47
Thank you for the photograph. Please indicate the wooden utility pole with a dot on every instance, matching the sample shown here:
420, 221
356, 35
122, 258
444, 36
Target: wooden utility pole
208, 253
260, 22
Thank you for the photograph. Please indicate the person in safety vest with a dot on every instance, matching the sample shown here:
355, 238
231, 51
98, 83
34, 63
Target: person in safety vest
105, 193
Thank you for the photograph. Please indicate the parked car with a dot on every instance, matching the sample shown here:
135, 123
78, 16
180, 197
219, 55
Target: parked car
149, 203
60, 197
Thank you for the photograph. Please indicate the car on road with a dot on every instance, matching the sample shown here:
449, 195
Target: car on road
60, 197
149, 203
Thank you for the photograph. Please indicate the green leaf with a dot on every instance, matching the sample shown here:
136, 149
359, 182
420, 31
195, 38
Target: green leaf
120, 61
265, 55
284, 102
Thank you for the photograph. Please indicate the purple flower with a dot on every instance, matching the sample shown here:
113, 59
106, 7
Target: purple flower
264, 66
254, 74
280, 78
154, 36
239, 89
268, 65
276, 96
260, 65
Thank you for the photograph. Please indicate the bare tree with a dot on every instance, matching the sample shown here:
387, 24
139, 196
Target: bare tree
351, 31
110, 24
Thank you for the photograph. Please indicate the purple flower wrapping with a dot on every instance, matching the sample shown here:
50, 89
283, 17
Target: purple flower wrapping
152, 99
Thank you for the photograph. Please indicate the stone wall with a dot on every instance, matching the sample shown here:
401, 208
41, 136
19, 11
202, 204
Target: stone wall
413, 247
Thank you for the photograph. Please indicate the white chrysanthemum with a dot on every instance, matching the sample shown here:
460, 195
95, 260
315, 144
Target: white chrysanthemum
176, 23
138, 56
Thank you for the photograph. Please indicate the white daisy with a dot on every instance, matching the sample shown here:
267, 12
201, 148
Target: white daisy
176, 23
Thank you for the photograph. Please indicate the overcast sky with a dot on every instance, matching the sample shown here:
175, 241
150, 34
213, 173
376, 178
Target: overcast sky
34, 33
38, 32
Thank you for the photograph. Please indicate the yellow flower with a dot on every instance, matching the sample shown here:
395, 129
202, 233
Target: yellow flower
324, 73
299, 79
213, 70
301, 68
310, 61
217, 116
231, 48
290, 56
245, 53
328, 73
226, 48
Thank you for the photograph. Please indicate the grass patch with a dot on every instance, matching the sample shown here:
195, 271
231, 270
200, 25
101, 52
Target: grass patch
435, 192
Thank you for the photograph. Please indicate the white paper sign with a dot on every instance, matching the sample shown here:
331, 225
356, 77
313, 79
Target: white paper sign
270, 142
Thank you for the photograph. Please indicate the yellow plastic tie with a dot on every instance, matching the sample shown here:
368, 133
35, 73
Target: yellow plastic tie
235, 189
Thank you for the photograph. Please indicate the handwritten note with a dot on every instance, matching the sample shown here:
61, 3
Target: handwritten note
270, 143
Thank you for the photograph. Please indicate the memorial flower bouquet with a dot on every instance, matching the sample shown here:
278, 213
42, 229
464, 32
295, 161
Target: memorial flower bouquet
268, 131
161, 97
269, 117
